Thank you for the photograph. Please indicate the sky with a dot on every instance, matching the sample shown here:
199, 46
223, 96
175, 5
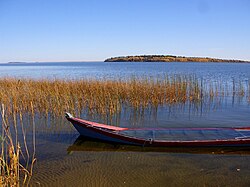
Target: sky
93, 30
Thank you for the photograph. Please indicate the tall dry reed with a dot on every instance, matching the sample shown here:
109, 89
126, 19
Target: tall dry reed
108, 96
54, 97
12, 172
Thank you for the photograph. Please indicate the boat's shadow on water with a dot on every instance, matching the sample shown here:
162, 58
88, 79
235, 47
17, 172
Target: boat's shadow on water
83, 143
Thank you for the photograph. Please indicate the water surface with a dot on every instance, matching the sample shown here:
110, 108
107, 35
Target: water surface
61, 161
112, 70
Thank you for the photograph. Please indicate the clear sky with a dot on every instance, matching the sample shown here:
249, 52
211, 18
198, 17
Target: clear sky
93, 30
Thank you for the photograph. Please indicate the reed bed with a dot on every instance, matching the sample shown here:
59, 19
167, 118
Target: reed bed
102, 97
54, 97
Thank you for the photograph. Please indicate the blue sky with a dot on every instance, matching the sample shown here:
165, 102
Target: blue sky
93, 30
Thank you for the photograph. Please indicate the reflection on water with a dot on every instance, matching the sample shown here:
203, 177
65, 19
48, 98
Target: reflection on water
92, 163
221, 112
87, 144
218, 113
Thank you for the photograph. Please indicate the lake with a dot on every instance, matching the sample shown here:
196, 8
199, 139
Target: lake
65, 159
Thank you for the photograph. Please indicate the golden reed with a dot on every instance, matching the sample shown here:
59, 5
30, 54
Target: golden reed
99, 96
12, 172
105, 96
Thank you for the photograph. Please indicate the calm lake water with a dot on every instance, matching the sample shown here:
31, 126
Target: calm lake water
114, 70
65, 159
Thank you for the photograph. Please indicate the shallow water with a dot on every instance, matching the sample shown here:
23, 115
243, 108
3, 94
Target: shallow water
60, 162
99, 164
143, 169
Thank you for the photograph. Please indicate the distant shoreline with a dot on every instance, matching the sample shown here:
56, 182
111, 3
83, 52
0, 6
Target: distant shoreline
17, 62
170, 58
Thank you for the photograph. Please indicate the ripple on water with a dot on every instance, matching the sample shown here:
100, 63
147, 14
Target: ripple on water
89, 168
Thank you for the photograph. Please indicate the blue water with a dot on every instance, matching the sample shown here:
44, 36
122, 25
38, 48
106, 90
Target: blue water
121, 70
85, 165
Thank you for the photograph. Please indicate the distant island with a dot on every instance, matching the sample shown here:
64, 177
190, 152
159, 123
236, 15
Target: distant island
168, 58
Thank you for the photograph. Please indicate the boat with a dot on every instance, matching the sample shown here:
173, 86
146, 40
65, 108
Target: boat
164, 137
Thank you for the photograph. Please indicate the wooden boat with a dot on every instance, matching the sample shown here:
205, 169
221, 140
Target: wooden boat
163, 137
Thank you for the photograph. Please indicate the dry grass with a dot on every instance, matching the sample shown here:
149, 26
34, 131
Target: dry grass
102, 97
12, 172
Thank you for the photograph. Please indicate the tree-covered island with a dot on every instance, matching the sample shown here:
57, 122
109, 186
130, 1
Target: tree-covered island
168, 58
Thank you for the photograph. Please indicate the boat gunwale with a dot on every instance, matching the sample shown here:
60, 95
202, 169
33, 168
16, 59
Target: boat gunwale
114, 128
